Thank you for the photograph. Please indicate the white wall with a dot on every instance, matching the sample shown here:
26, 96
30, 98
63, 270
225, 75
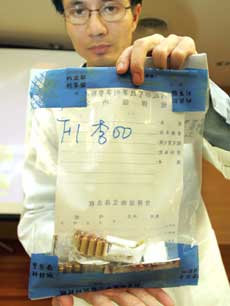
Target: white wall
15, 65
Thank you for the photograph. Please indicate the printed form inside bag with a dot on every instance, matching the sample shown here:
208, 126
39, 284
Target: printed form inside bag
119, 179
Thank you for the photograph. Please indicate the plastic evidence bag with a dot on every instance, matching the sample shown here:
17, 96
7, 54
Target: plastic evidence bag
124, 207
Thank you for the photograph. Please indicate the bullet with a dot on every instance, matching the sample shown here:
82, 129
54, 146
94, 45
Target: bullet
76, 267
84, 245
61, 267
77, 237
92, 246
100, 248
105, 248
68, 267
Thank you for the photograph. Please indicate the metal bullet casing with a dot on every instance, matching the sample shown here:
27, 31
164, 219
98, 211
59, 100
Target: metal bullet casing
69, 267
87, 268
84, 245
105, 249
100, 248
61, 267
76, 267
78, 237
92, 246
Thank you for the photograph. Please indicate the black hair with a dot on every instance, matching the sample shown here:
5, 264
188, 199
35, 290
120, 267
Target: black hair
59, 5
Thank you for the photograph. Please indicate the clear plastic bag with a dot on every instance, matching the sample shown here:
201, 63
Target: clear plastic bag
124, 205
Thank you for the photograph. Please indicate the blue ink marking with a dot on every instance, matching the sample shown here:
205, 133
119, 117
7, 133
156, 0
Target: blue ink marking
77, 132
101, 139
122, 131
68, 131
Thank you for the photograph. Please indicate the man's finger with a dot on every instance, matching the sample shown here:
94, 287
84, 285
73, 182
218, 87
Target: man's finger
125, 299
139, 52
185, 47
161, 296
65, 300
143, 296
96, 299
161, 52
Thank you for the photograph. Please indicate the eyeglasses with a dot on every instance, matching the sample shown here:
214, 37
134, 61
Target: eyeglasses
110, 12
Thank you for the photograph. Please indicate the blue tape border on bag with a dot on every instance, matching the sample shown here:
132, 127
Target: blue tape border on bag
45, 280
62, 88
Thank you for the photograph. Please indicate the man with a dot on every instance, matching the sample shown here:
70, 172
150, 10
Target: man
105, 43
101, 32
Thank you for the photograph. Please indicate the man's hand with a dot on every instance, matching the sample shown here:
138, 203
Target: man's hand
167, 52
123, 297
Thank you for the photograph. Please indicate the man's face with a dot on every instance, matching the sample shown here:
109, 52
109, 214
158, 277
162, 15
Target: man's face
98, 41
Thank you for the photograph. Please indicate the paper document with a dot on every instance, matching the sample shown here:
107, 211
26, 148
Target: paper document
120, 162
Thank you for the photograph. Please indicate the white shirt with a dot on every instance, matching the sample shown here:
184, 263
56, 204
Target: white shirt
36, 227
